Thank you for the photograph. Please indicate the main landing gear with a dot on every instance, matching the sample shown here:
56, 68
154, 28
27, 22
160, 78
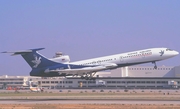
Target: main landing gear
88, 76
155, 66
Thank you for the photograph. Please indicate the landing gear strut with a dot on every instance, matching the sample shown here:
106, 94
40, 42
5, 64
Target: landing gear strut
88, 76
155, 66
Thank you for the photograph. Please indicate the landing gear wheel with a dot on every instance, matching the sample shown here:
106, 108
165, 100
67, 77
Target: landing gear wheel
88, 76
82, 77
155, 67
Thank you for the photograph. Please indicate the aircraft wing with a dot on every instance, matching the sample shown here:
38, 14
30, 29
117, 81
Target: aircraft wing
82, 70
76, 71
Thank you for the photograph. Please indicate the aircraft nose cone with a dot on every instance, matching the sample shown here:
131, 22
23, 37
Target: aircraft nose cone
176, 53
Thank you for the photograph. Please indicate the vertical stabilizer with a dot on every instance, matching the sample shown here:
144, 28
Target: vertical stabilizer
34, 59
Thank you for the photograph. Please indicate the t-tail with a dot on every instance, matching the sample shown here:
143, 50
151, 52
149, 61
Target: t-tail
34, 59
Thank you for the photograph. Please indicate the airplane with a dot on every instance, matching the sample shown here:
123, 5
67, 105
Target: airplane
35, 89
86, 69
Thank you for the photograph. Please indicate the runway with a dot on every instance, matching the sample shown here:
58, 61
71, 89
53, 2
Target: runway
77, 97
86, 101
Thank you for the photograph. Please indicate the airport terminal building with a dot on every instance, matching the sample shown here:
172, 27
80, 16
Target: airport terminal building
134, 77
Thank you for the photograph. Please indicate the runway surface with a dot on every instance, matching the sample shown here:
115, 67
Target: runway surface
147, 97
85, 101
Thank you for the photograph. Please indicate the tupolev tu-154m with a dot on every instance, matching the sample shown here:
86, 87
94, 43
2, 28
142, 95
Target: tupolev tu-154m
86, 69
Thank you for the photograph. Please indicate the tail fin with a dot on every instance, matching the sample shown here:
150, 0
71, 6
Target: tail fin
33, 58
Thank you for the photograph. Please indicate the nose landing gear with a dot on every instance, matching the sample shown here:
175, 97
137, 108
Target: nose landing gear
155, 66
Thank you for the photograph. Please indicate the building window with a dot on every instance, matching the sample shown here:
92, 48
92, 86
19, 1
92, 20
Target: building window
113, 82
81, 81
84, 82
147, 81
108, 81
162, 82
131, 82
142, 81
91, 81
70, 81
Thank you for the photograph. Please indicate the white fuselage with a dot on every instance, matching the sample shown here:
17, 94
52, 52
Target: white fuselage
131, 58
43, 67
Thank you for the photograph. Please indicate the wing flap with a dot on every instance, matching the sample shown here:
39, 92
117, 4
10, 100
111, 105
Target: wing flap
84, 70
76, 71
110, 65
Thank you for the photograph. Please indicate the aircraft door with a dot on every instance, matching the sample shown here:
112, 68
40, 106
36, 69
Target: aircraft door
121, 59
99, 62
143, 55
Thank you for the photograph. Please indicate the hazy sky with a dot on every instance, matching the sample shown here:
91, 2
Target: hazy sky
86, 29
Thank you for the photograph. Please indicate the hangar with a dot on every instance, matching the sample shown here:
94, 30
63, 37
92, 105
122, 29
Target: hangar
125, 77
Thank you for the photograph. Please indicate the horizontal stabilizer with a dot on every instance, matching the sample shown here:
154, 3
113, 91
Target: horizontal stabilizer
23, 51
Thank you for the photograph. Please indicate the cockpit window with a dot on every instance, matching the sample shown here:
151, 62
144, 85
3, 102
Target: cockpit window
169, 49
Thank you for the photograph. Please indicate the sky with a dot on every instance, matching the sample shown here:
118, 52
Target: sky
86, 29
